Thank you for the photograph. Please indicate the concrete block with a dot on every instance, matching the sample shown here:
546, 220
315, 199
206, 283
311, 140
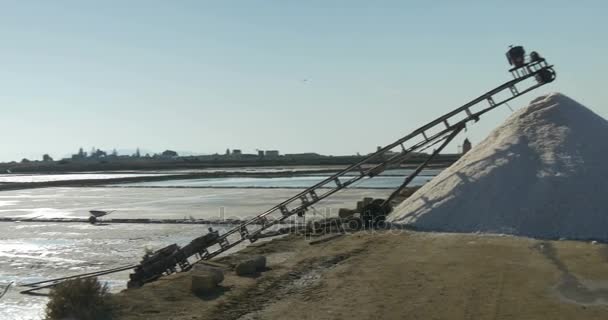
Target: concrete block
259, 262
245, 268
203, 283
201, 269
250, 265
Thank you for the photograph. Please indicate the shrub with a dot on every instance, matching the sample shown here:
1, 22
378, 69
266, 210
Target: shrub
79, 299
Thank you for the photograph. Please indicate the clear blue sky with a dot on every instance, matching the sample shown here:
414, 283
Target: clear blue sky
209, 75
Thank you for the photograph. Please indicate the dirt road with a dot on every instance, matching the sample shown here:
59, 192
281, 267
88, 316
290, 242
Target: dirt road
396, 275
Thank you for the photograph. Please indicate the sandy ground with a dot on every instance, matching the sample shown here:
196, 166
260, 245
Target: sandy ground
395, 275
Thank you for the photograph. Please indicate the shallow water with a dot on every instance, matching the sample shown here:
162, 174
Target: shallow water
283, 182
29, 178
168, 203
33, 251
389, 179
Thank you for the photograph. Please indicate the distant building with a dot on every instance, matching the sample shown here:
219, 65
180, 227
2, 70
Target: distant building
466, 146
98, 154
271, 153
249, 157
80, 155
169, 154
260, 153
236, 154
93, 155
304, 156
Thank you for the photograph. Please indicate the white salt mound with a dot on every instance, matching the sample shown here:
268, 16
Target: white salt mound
543, 173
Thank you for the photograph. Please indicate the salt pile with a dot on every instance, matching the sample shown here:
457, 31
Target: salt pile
543, 173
